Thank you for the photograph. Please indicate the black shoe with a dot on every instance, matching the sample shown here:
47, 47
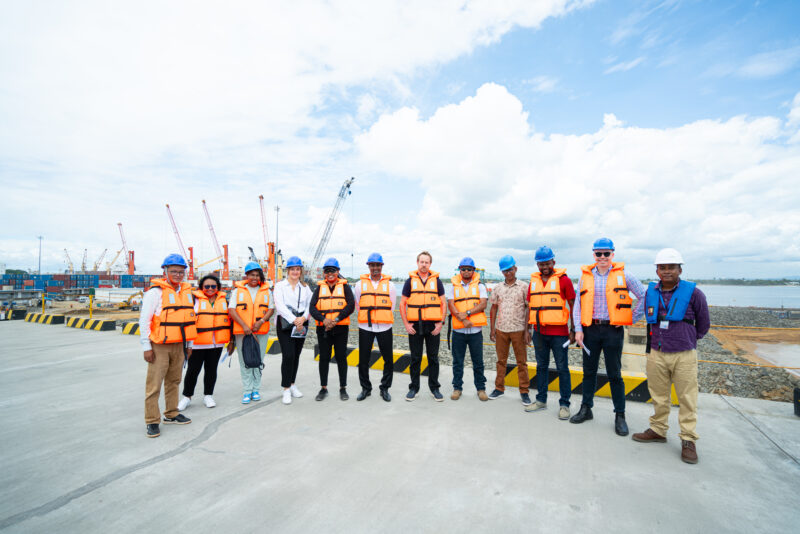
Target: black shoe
322, 394
584, 414
437, 395
363, 395
385, 395
179, 419
153, 431
343, 394
620, 426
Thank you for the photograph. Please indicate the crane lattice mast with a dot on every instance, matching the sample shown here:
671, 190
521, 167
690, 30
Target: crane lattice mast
326, 235
69, 262
216, 243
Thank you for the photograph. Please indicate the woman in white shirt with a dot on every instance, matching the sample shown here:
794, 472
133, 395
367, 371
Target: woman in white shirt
292, 296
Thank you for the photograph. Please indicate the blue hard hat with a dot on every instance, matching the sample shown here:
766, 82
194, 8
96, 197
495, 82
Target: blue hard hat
467, 262
331, 262
252, 266
544, 253
375, 258
174, 259
603, 243
507, 262
294, 261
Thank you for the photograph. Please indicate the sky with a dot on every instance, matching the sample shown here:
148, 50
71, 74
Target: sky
472, 128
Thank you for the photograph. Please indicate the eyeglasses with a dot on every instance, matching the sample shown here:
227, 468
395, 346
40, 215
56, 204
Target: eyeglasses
329, 270
467, 269
210, 286
601, 254
176, 273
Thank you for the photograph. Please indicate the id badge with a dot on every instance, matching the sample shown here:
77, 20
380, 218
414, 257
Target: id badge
663, 325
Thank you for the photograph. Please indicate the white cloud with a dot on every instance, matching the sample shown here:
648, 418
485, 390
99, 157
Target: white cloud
542, 84
624, 66
768, 64
713, 189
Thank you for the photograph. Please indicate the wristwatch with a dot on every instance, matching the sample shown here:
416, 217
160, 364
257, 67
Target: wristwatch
469, 312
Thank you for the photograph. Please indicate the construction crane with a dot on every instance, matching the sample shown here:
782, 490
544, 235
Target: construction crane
220, 253
190, 256
112, 262
326, 234
83, 261
100, 259
269, 246
70, 267
128, 253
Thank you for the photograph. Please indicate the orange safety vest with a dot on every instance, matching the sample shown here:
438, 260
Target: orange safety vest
246, 309
175, 324
213, 323
547, 306
375, 304
620, 311
424, 297
332, 303
466, 299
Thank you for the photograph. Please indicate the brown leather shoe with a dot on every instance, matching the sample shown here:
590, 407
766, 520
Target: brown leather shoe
456, 394
688, 452
482, 395
649, 436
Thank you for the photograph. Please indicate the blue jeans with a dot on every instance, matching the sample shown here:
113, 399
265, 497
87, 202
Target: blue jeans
475, 344
609, 339
542, 345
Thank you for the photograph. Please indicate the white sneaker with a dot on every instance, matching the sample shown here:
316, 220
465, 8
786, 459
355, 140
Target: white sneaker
208, 400
295, 392
287, 396
183, 403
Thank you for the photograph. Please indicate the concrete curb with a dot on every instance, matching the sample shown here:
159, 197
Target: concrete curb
43, 318
402, 360
91, 324
13, 315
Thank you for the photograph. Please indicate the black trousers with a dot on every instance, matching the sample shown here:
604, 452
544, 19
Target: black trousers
202, 358
431, 343
335, 339
291, 347
385, 342
609, 339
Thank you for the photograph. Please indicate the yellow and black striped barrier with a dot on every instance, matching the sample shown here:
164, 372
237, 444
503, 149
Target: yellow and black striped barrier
402, 360
635, 383
12, 315
44, 318
91, 324
131, 329
273, 347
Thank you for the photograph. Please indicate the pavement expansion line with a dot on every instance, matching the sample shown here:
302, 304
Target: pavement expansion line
784, 451
103, 481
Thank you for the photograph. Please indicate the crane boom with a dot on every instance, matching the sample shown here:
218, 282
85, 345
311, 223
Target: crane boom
124, 243
221, 255
181, 248
326, 234
69, 262
100, 259
83, 261
264, 224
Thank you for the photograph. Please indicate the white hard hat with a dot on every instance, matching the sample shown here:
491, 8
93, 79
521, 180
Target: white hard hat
667, 256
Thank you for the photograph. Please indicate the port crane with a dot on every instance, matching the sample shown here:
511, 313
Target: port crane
269, 246
100, 259
128, 253
190, 256
83, 261
111, 263
221, 254
70, 267
326, 234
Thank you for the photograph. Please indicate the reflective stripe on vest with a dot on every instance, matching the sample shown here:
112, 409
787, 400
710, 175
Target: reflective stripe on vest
212, 322
375, 305
331, 304
424, 302
176, 322
249, 312
466, 299
618, 299
546, 305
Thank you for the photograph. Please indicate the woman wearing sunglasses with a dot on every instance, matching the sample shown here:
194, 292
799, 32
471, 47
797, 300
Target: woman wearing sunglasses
292, 297
213, 332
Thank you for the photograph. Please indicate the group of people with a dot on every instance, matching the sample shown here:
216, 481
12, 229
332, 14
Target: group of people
178, 323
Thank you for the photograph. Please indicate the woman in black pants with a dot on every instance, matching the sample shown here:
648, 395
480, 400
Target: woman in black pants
213, 332
292, 297
331, 306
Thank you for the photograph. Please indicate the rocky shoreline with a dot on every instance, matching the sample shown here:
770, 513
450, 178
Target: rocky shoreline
734, 380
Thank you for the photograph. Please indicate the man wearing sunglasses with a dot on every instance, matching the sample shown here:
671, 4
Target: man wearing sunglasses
466, 299
604, 307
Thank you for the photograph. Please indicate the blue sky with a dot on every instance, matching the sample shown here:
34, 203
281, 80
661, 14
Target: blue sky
471, 128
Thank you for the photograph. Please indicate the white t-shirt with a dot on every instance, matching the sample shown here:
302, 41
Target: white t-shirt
298, 298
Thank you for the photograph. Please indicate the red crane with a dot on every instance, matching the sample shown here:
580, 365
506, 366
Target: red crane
220, 254
128, 253
190, 256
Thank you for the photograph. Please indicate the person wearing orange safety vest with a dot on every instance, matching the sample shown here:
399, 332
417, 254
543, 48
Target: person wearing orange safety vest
331, 305
550, 299
374, 296
467, 298
604, 306
213, 332
167, 327
250, 309
422, 309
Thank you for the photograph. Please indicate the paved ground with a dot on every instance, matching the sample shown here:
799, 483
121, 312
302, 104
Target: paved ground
75, 458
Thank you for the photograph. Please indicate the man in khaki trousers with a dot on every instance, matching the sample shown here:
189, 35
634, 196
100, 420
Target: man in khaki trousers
677, 316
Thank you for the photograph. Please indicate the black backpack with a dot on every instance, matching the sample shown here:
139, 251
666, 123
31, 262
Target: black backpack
251, 353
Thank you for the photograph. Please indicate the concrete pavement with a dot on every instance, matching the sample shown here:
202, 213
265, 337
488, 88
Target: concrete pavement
75, 457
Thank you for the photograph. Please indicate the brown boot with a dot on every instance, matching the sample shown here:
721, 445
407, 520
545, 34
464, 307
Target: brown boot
456, 394
649, 436
482, 395
688, 452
